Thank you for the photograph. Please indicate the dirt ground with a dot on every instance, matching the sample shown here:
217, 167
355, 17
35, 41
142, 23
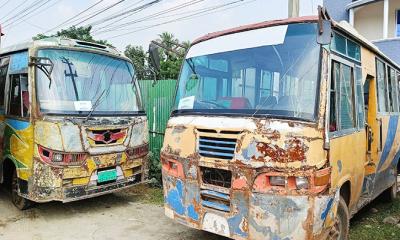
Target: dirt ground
116, 216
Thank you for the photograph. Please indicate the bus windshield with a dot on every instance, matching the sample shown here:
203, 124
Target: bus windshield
85, 83
272, 71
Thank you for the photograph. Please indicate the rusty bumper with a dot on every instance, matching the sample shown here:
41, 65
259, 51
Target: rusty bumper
75, 193
242, 215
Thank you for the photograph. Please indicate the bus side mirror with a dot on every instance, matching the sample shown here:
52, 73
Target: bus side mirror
324, 35
154, 55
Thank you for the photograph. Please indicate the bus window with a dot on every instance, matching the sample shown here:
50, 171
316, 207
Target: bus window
346, 98
333, 112
381, 86
342, 98
392, 90
3, 76
19, 95
360, 98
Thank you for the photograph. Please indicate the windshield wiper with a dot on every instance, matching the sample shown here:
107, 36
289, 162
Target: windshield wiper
95, 105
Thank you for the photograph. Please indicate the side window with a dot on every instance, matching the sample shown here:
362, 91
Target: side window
342, 110
360, 98
381, 86
346, 107
18, 104
3, 77
392, 87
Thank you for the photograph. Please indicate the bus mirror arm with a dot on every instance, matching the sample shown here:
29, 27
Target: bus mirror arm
44, 64
324, 35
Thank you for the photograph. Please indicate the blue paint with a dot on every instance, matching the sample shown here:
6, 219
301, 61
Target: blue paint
391, 134
175, 197
19, 62
327, 209
217, 206
339, 164
240, 202
191, 212
17, 125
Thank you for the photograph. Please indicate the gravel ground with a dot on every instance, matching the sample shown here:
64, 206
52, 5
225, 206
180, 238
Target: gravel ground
116, 216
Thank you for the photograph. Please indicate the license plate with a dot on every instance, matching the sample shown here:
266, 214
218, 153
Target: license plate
107, 175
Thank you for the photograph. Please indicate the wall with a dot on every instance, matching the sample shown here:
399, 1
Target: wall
337, 9
368, 20
390, 48
393, 6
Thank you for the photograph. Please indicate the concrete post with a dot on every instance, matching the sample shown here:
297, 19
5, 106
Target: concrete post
385, 18
351, 17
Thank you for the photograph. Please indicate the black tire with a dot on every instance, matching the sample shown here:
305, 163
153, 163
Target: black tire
20, 202
340, 230
390, 194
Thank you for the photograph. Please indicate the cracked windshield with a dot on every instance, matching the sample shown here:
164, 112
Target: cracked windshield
84, 82
278, 76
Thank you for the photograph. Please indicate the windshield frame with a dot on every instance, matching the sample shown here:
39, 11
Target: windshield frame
140, 112
257, 113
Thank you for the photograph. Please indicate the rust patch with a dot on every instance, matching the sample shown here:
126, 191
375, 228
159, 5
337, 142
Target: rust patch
294, 150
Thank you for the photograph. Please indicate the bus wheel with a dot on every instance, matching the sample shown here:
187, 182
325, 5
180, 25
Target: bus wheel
340, 230
20, 202
390, 194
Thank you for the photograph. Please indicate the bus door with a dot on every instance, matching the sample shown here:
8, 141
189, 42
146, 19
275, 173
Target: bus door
347, 126
384, 125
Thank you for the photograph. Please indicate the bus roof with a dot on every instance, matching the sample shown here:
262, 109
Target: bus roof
60, 42
343, 27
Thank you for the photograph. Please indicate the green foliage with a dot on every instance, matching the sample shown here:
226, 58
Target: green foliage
138, 57
170, 61
80, 33
155, 170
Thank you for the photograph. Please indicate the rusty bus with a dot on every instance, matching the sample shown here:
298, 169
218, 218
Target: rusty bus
72, 124
278, 135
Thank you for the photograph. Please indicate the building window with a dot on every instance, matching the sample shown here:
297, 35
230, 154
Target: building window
398, 23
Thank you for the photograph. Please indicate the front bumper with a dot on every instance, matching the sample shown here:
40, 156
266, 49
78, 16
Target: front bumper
249, 215
75, 193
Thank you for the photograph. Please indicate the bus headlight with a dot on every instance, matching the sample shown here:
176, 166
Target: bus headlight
277, 181
57, 157
302, 183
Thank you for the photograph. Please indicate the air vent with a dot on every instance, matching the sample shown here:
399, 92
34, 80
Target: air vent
89, 44
215, 200
216, 177
223, 148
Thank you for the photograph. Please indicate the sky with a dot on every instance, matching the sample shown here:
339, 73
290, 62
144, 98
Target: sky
139, 28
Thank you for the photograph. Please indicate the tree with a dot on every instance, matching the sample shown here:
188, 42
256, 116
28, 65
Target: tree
80, 33
138, 57
170, 62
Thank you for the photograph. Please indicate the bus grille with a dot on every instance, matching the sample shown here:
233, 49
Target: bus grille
223, 148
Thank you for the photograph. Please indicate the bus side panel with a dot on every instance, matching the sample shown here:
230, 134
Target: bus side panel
389, 155
347, 158
18, 146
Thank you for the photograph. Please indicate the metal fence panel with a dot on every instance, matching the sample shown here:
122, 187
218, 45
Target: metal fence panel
158, 100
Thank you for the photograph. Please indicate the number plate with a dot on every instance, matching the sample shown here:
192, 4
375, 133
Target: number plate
107, 175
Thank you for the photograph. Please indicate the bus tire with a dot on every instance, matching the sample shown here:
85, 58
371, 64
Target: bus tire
340, 230
20, 202
390, 194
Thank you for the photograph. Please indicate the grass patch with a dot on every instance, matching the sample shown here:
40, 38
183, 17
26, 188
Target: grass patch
148, 194
367, 225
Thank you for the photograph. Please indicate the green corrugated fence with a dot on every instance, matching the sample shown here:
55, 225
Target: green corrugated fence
158, 99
